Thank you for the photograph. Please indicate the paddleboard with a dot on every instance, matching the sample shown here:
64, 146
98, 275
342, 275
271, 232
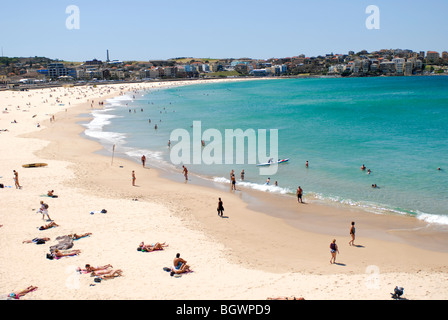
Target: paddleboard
34, 165
273, 162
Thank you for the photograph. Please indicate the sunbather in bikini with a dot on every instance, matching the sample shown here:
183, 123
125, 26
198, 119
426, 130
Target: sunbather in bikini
17, 295
77, 236
59, 254
152, 246
89, 268
48, 226
107, 274
37, 240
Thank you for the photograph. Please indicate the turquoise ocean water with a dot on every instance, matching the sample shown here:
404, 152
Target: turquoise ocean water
396, 126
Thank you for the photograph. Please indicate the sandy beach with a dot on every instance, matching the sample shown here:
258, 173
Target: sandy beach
264, 246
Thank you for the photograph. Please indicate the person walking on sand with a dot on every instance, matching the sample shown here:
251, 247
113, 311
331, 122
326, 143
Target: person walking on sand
334, 250
143, 160
133, 178
16, 179
352, 234
44, 210
185, 171
299, 194
220, 207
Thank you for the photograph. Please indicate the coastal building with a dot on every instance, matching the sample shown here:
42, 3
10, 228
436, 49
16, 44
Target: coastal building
155, 73
3, 79
408, 68
93, 62
387, 67
445, 56
418, 64
365, 65
399, 65
357, 64
259, 72
337, 69
56, 70
117, 74
215, 66
81, 74
432, 56
279, 70
243, 68
170, 72
374, 67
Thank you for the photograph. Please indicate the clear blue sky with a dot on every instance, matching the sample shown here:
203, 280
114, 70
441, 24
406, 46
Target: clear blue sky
150, 29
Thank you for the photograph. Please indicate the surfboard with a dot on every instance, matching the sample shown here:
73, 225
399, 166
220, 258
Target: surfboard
273, 162
34, 165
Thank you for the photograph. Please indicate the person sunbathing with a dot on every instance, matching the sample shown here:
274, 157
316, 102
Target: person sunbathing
37, 240
17, 295
48, 226
51, 194
151, 247
75, 236
107, 274
89, 268
59, 254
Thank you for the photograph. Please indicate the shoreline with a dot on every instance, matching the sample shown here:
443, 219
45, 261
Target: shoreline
400, 229
403, 225
250, 249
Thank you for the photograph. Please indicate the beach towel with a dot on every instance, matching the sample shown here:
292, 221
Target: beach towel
144, 250
178, 275
65, 243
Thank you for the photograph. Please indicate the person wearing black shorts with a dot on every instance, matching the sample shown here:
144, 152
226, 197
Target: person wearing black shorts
220, 207
299, 194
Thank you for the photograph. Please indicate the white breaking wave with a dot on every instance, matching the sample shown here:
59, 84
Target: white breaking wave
149, 154
383, 209
433, 218
255, 186
95, 128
